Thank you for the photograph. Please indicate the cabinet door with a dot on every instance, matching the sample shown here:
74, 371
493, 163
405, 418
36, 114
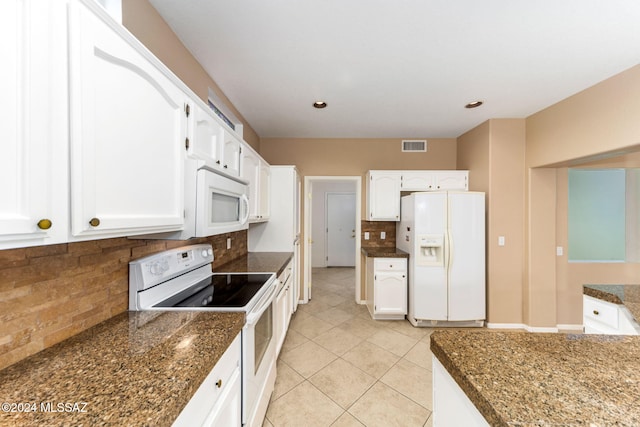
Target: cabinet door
231, 154
417, 181
207, 135
384, 196
33, 156
227, 410
390, 293
265, 184
451, 180
250, 168
128, 131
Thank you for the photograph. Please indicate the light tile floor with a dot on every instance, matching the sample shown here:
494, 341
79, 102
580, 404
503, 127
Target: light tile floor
339, 367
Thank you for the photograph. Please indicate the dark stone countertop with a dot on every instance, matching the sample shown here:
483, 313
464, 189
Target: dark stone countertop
383, 252
540, 379
257, 262
137, 368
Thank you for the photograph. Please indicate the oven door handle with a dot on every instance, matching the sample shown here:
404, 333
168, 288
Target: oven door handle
264, 303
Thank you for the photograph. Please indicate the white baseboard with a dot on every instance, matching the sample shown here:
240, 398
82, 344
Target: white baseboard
569, 327
536, 329
506, 325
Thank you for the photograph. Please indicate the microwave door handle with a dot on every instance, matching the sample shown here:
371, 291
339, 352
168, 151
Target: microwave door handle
245, 217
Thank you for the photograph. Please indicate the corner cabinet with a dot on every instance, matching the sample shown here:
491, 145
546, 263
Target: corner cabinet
128, 134
386, 287
217, 402
384, 188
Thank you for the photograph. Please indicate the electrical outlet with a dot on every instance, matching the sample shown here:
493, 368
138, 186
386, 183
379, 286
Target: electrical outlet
500, 240
366, 235
228, 242
383, 235
559, 250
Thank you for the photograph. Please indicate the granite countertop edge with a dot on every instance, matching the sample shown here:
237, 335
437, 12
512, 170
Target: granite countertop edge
371, 252
475, 396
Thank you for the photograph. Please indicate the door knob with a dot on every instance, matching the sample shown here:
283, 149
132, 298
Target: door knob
94, 222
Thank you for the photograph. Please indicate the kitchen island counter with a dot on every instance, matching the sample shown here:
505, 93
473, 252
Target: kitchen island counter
137, 368
526, 379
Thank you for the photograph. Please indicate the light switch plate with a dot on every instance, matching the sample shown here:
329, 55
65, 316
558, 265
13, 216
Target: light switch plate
383, 235
228, 242
500, 240
366, 235
559, 250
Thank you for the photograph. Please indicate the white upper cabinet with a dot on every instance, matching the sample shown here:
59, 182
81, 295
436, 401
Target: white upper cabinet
211, 142
207, 137
257, 172
128, 134
384, 188
417, 181
33, 156
231, 154
451, 180
383, 195
265, 194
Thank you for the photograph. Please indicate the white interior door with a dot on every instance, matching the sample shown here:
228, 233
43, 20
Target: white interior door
341, 229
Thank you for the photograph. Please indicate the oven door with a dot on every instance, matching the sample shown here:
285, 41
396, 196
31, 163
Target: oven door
259, 363
222, 205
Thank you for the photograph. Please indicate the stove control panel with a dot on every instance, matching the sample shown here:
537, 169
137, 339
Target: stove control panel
154, 269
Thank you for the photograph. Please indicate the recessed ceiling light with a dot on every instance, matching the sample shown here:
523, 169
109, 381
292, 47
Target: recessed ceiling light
473, 104
319, 104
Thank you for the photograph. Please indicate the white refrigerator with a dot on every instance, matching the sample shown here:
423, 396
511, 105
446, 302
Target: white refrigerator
444, 234
281, 233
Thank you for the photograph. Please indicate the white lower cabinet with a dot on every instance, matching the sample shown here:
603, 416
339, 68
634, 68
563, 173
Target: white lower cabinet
451, 406
603, 317
386, 287
218, 400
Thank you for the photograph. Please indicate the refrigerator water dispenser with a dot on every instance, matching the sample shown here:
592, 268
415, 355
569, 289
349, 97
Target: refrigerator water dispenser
430, 251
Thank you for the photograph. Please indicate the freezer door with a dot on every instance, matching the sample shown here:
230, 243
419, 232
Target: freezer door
466, 229
429, 283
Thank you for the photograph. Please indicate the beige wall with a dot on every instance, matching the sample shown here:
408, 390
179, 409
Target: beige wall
144, 22
597, 120
597, 123
494, 155
316, 157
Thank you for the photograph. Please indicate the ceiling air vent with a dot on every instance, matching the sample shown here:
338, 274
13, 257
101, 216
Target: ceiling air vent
414, 145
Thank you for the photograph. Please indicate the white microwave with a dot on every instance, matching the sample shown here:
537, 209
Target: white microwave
214, 203
222, 205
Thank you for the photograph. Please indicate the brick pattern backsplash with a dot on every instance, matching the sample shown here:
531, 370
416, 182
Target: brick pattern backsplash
50, 293
374, 228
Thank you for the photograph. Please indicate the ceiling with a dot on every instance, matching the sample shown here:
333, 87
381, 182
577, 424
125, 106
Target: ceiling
401, 69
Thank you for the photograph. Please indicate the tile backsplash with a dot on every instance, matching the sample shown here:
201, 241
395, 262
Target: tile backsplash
374, 228
50, 293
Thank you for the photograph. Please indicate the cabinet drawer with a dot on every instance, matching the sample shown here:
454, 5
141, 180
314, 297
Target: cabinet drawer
601, 311
390, 264
212, 388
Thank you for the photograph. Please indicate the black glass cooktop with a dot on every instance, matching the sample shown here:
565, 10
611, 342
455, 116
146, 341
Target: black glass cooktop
220, 290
